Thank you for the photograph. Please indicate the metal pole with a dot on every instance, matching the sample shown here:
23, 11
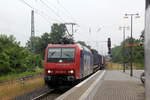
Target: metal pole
72, 29
123, 49
131, 42
72, 26
131, 73
32, 32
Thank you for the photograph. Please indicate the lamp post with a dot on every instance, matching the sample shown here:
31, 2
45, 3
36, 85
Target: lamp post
131, 40
123, 51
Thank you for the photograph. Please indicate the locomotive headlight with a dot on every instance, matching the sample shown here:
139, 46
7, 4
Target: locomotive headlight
49, 71
71, 71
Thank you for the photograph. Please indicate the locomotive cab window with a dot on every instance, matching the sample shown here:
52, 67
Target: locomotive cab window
54, 53
61, 54
68, 52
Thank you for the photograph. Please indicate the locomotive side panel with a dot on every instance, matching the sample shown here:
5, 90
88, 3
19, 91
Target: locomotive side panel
86, 63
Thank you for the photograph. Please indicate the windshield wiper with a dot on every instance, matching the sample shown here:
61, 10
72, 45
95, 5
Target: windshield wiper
52, 53
67, 55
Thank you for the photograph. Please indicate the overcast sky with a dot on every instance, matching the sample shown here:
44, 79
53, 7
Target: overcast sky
97, 19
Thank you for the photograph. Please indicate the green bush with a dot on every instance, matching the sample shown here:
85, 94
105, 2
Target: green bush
14, 58
120, 54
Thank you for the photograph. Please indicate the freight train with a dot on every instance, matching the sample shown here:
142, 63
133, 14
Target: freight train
98, 61
66, 64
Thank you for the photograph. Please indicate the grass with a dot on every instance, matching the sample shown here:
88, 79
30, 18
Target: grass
116, 66
139, 65
9, 91
16, 75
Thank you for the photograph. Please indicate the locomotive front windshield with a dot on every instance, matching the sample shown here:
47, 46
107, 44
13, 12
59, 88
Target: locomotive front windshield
61, 54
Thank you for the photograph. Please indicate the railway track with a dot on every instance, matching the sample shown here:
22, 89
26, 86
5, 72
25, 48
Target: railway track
50, 94
43, 95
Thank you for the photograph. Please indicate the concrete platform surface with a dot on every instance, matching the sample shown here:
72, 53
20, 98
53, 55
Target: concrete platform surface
136, 73
120, 86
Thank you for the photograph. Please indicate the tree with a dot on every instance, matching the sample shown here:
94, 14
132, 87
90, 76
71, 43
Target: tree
137, 51
13, 57
117, 54
57, 35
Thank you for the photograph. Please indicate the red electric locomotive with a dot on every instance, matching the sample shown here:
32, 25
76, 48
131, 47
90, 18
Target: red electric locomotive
65, 64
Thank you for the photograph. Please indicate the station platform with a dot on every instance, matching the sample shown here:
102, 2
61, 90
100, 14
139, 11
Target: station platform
108, 85
120, 86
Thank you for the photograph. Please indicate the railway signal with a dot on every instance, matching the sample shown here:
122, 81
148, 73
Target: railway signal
109, 52
109, 45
